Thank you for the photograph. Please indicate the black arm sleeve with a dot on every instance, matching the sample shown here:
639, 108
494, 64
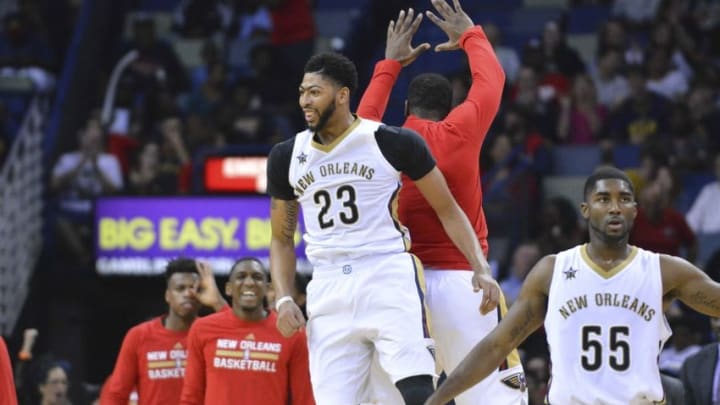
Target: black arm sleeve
278, 170
405, 150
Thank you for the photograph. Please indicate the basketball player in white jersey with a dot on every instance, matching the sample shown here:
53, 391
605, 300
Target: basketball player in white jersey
366, 296
602, 304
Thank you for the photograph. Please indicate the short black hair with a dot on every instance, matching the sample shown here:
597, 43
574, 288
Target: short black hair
430, 93
335, 67
247, 259
603, 173
180, 265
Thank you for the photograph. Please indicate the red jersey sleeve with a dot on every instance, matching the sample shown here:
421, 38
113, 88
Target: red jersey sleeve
7, 384
299, 373
472, 117
375, 99
193, 392
124, 377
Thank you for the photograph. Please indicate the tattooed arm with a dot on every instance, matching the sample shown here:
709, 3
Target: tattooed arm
524, 317
690, 285
284, 219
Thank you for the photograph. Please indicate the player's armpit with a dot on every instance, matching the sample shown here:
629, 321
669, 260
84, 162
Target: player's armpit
283, 218
692, 286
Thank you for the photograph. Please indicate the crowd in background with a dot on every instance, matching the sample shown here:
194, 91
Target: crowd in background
653, 84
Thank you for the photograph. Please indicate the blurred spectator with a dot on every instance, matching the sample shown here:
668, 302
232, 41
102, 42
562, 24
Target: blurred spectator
537, 372
686, 148
202, 18
640, 117
78, 178
207, 99
662, 77
51, 382
254, 25
538, 101
523, 259
559, 56
612, 87
156, 76
652, 158
637, 12
659, 227
684, 343
210, 55
174, 173
25, 54
506, 55
613, 36
559, 226
581, 117
663, 36
704, 215
242, 118
293, 42
705, 115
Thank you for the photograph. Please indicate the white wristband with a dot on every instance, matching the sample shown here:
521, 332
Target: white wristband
283, 300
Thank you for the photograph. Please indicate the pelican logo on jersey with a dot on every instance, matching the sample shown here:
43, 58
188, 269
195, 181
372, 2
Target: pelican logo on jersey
163, 364
247, 354
628, 302
516, 381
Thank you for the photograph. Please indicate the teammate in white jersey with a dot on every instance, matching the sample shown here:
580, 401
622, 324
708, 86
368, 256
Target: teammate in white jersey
602, 306
366, 296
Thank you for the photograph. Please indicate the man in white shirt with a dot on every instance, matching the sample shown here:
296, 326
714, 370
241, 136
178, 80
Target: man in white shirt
78, 178
704, 215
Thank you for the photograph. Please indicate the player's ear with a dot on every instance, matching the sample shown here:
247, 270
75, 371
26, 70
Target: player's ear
167, 295
344, 95
585, 210
228, 289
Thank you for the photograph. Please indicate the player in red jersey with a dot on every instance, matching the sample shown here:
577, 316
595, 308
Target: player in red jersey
239, 356
153, 355
8, 396
455, 137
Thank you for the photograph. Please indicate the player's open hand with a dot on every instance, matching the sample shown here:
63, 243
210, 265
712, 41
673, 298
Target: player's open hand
491, 291
207, 292
290, 318
452, 21
399, 37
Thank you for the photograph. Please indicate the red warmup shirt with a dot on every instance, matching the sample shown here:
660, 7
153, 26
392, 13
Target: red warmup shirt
7, 385
667, 235
232, 361
152, 358
455, 143
292, 22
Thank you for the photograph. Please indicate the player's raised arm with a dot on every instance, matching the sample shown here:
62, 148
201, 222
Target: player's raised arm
399, 52
523, 318
684, 281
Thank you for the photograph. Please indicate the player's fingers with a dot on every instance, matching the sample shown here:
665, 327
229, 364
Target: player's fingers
416, 23
435, 19
401, 19
417, 51
391, 28
445, 46
456, 4
442, 8
409, 19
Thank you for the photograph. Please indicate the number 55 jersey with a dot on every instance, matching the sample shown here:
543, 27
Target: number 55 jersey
605, 329
348, 189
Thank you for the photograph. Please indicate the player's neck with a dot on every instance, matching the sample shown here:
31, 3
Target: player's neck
176, 323
335, 127
250, 315
608, 254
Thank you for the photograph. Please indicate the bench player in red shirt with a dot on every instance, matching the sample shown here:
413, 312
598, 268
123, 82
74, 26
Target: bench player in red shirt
153, 354
455, 137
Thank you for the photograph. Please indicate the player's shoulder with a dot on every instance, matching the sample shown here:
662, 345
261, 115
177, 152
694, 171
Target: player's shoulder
146, 328
284, 147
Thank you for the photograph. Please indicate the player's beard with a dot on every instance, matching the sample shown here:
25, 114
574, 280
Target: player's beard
611, 239
324, 118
